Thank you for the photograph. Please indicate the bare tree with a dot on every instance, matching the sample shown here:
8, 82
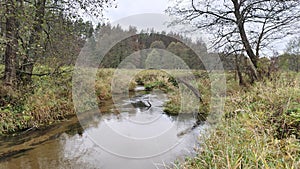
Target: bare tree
249, 25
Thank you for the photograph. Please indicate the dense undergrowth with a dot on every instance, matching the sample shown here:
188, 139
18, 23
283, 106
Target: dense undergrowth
260, 128
44, 102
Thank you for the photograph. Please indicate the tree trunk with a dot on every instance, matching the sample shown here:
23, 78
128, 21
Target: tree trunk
245, 41
35, 42
11, 46
238, 70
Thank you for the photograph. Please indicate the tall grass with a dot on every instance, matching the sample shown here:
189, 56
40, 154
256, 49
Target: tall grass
260, 128
45, 101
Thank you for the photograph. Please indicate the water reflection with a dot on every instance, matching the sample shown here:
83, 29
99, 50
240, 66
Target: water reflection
138, 137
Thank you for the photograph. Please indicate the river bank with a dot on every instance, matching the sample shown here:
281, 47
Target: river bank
48, 100
260, 128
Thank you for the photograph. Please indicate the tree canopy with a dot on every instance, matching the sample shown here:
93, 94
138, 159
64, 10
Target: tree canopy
34, 30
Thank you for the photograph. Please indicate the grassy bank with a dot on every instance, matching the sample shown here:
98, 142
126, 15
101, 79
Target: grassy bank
260, 128
48, 100
44, 102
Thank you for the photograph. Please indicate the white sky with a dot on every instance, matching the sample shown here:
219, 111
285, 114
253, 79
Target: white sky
142, 14
133, 7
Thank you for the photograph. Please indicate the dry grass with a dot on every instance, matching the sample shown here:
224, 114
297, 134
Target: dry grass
260, 128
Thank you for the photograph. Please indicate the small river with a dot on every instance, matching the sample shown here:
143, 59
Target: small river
128, 134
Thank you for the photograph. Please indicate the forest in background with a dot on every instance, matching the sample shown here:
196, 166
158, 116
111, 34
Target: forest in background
65, 41
41, 39
54, 32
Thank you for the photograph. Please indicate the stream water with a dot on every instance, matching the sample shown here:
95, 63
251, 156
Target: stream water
136, 137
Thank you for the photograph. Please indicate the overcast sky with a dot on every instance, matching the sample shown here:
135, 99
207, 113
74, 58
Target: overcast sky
144, 14
133, 7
